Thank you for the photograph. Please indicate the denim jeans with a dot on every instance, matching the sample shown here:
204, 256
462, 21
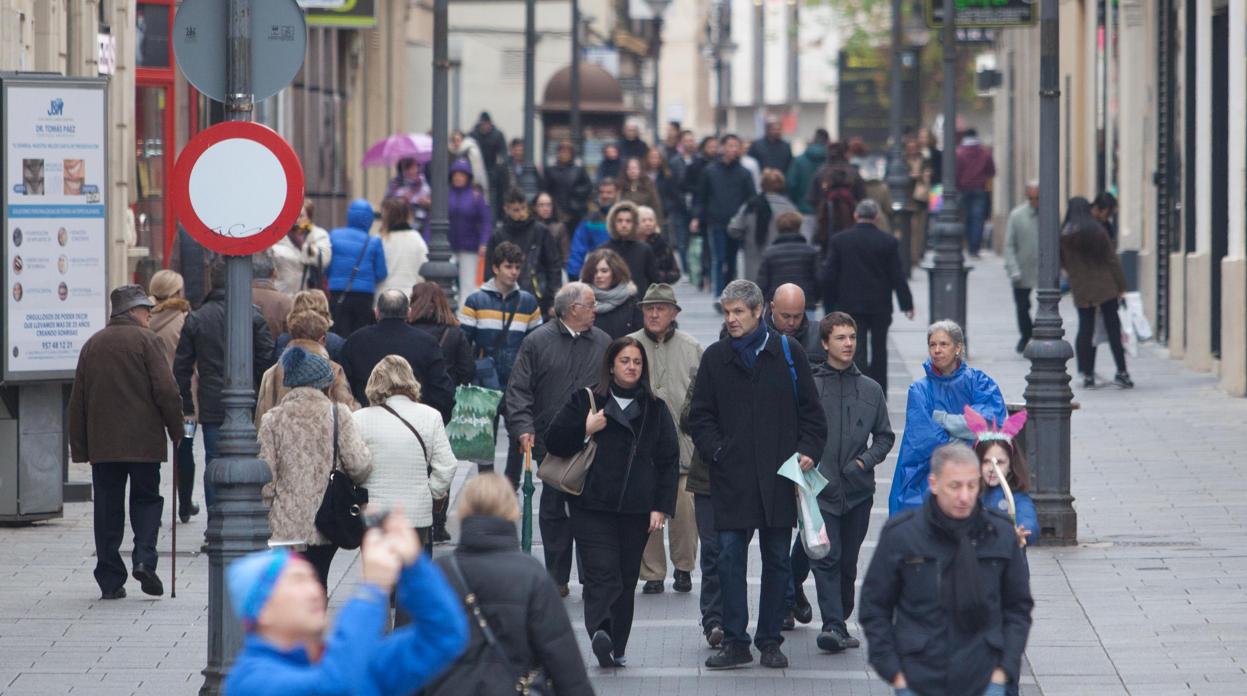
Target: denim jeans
723, 250
992, 689
711, 595
212, 435
679, 231
733, 568
975, 206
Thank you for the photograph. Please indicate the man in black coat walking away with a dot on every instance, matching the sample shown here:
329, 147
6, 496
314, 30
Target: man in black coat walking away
772, 151
201, 350
862, 270
569, 185
946, 604
392, 335
754, 407
790, 259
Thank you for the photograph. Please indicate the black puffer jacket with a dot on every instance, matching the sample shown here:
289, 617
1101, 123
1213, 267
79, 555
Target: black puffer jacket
570, 187
202, 348
457, 351
637, 466
790, 259
523, 609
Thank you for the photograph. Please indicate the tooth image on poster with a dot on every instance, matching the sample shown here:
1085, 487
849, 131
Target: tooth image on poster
54, 188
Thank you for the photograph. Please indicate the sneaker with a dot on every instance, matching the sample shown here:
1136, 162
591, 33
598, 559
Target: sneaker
714, 635
1088, 381
148, 581
773, 657
790, 623
833, 640
604, 648
652, 587
730, 656
802, 612
683, 581
1123, 380
119, 593
853, 642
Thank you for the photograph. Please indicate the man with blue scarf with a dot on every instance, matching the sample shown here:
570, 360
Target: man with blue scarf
754, 406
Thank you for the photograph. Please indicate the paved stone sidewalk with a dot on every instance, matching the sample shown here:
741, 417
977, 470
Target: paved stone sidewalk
1151, 601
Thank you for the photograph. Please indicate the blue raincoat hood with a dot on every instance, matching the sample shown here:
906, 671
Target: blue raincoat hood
359, 215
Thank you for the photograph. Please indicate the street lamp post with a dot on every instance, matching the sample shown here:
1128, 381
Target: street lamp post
947, 271
237, 519
898, 175
530, 52
1048, 395
657, 8
573, 97
724, 49
439, 267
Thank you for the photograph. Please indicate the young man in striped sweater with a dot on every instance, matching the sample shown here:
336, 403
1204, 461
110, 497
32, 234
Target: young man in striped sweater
496, 318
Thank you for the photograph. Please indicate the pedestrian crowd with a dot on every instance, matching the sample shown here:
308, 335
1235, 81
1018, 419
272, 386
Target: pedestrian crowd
659, 455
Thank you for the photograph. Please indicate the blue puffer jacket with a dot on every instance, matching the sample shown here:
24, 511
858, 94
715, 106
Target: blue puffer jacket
359, 658
994, 498
348, 242
966, 386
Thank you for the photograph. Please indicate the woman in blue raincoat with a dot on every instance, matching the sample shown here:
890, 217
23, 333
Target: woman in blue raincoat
934, 412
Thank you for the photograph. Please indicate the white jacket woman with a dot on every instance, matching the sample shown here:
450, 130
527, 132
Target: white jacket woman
305, 247
405, 248
400, 468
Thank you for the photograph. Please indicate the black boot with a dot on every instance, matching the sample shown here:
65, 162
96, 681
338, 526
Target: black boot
731, 656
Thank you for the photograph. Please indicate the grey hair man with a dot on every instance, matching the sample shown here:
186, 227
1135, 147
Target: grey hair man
556, 359
392, 335
863, 270
754, 403
274, 304
1022, 258
973, 644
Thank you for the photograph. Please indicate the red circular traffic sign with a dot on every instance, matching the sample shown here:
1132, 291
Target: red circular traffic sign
237, 187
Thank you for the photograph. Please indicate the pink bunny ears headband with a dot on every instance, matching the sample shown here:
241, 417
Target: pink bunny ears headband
984, 432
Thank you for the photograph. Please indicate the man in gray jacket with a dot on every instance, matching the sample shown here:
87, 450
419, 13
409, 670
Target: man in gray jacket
859, 437
1022, 257
555, 360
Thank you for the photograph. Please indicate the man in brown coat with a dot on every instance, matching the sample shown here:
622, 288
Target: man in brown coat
274, 304
123, 402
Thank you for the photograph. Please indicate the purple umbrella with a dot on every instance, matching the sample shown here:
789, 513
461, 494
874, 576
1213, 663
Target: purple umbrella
398, 147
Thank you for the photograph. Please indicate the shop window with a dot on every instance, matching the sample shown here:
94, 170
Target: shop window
153, 25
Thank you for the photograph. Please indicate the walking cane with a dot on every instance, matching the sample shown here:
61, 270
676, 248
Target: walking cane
173, 559
526, 526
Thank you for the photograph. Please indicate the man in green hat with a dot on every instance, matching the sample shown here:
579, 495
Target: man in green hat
673, 359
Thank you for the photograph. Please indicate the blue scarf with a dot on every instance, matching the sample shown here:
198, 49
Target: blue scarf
748, 346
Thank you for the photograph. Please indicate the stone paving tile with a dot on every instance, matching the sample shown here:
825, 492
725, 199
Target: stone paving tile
1150, 602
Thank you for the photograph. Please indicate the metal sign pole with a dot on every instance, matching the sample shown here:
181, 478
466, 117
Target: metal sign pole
238, 520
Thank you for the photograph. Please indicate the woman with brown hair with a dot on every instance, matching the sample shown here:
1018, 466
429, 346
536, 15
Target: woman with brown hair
312, 301
430, 311
618, 313
630, 490
307, 331
405, 249
756, 221
635, 186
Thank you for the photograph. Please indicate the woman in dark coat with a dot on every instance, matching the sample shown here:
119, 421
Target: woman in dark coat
517, 599
1097, 282
618, 313
431, 312
630, 491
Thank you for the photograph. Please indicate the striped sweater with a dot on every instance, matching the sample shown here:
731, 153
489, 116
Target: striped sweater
483, 315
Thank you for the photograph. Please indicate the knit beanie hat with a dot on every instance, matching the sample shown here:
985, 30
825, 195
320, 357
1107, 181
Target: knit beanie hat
303, 369
251, 580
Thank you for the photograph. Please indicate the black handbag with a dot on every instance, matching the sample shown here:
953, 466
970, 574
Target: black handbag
341, 515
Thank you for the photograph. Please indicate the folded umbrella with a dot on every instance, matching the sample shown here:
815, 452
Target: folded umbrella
400, 146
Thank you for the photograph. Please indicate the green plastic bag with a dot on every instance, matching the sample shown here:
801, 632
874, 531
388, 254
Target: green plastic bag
695, 251
472, 424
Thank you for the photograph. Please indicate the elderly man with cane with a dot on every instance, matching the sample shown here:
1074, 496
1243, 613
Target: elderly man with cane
123, 401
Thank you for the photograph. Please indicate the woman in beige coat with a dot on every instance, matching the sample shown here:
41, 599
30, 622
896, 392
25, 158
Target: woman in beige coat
307, 330
166, 289
297, 441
